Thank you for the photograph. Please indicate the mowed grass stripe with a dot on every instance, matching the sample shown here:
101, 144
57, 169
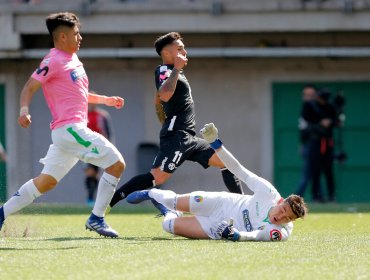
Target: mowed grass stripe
56, 246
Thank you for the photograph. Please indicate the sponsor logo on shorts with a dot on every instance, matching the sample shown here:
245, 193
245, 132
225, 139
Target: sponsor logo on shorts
275, 235
198, 198
171, 166
17, 194
247, 223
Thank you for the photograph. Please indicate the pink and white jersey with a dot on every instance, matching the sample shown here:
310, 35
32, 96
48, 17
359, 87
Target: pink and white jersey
65, 86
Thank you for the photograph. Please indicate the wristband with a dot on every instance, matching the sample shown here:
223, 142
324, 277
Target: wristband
216, 144
236, 236
23, 111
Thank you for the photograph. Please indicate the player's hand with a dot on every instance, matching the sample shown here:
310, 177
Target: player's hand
209, 132
115, 101
180, 62
226, 230
24, 120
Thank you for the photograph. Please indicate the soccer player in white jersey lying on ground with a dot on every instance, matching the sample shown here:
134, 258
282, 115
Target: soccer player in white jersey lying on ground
264, 216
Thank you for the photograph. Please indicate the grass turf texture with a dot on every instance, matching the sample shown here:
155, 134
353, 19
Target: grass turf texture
49, 242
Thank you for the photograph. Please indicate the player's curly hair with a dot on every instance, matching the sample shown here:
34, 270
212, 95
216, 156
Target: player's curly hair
165, 40
297, 204
53, 21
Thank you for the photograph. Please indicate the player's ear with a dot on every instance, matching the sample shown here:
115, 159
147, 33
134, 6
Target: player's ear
165, 52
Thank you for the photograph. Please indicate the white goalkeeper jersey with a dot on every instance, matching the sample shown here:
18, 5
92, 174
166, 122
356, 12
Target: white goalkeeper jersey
250, 212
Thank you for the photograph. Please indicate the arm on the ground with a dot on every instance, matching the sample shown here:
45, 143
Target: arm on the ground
269, 233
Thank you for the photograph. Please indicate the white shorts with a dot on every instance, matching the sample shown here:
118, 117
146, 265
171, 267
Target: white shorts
209, 209
73, 142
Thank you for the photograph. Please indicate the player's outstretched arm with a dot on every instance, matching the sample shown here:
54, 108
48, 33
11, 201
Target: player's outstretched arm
254, 182
113, 101
29, 89
268, 233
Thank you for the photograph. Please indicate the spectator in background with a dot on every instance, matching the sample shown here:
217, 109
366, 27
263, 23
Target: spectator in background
98, 121
2, 153
309, 92
320, 118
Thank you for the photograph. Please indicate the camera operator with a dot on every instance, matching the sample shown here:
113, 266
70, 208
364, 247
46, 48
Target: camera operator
320, 117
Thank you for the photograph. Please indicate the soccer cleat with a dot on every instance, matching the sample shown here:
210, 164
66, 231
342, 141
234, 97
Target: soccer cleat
2, 218
97, 224
163, 209
138, 196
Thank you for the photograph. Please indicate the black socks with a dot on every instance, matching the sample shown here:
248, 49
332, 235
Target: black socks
139, 182
231, 181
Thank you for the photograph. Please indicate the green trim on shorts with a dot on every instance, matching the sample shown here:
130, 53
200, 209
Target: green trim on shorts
78, 138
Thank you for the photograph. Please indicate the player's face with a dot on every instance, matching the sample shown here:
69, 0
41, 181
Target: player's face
308, 94
72, 39
174, 49
281, 214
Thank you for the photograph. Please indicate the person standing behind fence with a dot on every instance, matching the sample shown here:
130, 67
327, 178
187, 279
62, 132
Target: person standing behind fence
99, 121
321, 118
309, 92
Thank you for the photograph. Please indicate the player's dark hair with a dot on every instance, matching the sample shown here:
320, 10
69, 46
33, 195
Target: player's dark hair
165, 40
53, 21
297, 204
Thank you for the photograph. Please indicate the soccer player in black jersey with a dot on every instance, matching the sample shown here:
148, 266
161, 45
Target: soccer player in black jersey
175, 110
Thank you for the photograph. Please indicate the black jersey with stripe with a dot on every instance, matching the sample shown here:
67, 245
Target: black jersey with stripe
179, 110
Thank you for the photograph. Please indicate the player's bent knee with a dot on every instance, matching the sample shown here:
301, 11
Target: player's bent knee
168, 225
45, 183
116, 169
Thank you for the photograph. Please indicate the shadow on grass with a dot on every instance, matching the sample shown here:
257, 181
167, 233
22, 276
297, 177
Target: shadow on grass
37, 249
147, 208
132, 238
73, 209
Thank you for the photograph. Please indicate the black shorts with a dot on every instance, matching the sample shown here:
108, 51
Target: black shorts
178, 146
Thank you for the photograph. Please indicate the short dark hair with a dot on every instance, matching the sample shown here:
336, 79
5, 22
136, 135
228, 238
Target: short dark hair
297, 204
165, 40
53, 21
324, 93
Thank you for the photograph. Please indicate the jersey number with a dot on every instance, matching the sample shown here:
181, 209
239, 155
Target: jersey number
177, 157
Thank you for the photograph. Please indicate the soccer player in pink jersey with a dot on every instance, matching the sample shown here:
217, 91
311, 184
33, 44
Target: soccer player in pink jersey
66, 89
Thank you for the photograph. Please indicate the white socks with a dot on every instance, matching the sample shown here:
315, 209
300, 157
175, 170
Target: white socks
107, 186
169, 222
165, 197
23, 197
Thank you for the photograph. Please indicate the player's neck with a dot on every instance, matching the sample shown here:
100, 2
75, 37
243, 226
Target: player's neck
61, 48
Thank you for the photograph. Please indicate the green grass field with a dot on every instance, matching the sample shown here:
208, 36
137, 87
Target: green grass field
50, 242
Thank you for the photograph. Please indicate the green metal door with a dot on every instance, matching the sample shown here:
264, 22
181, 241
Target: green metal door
353, 176
2, 140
